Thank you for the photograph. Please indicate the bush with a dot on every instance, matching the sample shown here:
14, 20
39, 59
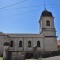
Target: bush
1, 55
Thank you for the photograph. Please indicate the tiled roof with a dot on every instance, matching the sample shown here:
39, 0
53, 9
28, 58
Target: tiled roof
58, 42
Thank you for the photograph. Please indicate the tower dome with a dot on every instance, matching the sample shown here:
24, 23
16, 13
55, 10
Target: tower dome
46, 13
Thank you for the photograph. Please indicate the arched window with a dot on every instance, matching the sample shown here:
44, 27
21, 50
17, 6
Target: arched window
47, 23
29, 43
38, 43
20, 43
11, 44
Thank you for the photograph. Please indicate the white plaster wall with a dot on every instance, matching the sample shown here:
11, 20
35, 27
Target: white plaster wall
50, 44
34, 43
20, 48
29, 48
43, 22
41, 43
25, 44
49, 33
12, 48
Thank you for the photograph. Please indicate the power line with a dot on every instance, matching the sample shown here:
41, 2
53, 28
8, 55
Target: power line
32, 6
29, 11
22, 13
13, 4
24, 7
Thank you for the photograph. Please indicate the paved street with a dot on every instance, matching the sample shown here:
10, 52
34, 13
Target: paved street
52, 58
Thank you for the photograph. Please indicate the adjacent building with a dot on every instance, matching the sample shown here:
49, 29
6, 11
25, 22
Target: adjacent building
58, 45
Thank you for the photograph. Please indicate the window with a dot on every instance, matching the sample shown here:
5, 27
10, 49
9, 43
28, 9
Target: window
38, 43
20, 43
29, 43
11, 44
47, 23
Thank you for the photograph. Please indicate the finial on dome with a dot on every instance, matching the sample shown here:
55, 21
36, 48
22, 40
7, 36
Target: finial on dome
44, 6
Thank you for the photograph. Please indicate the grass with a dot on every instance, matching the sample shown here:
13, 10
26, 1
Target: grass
1, 58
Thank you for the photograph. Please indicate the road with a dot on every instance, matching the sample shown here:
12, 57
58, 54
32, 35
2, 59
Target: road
51, 58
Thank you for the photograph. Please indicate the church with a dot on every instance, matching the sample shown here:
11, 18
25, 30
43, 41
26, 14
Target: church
45, 41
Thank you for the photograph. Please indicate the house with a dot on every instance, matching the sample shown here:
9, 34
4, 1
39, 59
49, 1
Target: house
58, 45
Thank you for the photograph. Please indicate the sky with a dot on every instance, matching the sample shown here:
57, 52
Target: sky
22, 16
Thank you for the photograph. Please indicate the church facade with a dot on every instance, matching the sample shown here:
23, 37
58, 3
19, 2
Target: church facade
46, 40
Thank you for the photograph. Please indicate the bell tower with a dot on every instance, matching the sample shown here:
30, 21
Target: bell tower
48, 30
47, 23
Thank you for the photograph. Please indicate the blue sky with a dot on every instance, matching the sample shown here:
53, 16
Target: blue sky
24, 17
